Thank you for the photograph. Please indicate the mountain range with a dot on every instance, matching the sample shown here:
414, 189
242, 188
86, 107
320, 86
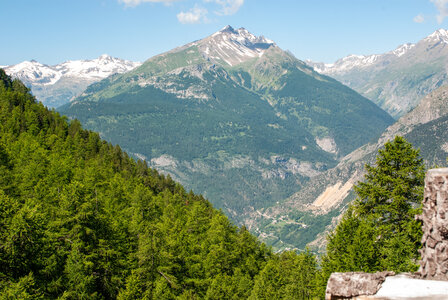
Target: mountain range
398, 79
58, 84
231, 116
275, 142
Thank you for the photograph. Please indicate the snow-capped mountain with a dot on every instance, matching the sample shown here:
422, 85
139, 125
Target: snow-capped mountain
353, 61
398, 79
232, 46
33, 72
96, 69
58, 84
438, 36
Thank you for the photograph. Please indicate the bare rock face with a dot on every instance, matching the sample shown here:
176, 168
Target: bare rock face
434, 252
353, 284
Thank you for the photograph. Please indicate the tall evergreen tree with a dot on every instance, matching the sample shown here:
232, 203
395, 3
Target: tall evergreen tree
379, 231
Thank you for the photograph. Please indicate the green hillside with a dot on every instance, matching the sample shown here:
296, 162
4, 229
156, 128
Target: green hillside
245, 133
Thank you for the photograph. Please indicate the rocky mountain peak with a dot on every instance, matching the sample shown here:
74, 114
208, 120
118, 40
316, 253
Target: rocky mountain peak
231, 46
440, 35
242, 36
228, 28
402, 49
105, 57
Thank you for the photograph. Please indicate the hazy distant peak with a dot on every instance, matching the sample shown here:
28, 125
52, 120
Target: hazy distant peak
353, 61
396, 80
77, 75
35, 72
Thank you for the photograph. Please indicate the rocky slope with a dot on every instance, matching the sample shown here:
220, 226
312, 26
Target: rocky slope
231, 116
58, 84
317, 206
398, 79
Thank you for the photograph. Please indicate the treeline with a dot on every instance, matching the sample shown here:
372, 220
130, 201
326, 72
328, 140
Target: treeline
80, 219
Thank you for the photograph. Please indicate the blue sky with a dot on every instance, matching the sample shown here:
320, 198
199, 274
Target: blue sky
53, 31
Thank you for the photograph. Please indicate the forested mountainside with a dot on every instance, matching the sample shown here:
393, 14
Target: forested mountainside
317, 207
233, 117
398, 79
80, 219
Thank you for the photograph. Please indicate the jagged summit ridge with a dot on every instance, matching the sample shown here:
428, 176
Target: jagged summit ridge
243, 36
233, 46
438, 35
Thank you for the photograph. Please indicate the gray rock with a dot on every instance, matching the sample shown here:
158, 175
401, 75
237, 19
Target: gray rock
434, 263
352, 284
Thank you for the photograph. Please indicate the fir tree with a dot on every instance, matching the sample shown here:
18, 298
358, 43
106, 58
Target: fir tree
379, 231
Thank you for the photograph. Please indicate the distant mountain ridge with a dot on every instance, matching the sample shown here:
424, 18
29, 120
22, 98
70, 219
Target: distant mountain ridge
398, 79
231, 116
58, 84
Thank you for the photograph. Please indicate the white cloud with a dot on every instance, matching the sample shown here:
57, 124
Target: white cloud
138, 2
419, 19
193, 16
228, 7
441, 6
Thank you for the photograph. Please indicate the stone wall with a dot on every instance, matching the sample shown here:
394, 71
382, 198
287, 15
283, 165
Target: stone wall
353, 284
434, 252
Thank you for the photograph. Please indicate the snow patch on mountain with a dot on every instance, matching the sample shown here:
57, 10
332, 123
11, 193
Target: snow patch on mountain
403, 49
36, 73
440, 35
58, 84
96, 69
351, 62
233, 46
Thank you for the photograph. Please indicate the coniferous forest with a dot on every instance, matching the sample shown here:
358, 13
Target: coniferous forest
80, 219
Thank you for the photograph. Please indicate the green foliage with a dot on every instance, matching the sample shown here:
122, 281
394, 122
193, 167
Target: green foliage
80, 219
379, 231
289, 276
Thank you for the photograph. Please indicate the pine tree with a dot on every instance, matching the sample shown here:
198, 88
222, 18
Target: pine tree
379, 231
